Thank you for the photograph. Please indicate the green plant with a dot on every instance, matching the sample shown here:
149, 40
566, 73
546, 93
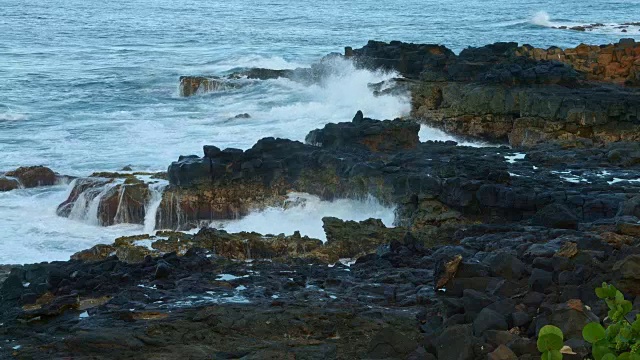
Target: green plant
550, 342
621, 338
619, 341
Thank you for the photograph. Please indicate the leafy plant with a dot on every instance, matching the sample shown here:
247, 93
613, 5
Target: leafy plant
550, 342
619, 341
621, 338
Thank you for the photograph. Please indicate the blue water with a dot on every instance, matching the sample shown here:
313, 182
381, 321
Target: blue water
91, 85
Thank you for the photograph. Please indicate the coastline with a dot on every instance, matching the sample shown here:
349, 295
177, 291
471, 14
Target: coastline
490, 243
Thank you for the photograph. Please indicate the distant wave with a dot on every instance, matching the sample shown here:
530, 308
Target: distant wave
12, 117
243, 62
542, 18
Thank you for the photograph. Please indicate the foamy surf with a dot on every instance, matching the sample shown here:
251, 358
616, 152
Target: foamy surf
244, 62
281, 108
427, 133
33, 232
305, 214
542, 18
9, 116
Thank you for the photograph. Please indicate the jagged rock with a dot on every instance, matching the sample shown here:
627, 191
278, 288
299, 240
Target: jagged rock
631, 229
351, 239
614, 62
117, 198
97, 252
437, 187
523, 95
191, 85
373, 135
446, 270
84, 190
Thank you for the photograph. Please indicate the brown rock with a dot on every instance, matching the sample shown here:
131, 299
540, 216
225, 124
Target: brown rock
33, 176
629, 267
190, 85
96, 253
628, 229
568, 250
450, 269
502, 353
7, 184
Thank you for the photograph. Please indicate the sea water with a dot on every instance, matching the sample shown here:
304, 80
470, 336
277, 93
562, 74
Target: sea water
93, 86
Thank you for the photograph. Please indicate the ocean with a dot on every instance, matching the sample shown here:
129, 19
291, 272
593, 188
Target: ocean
93, 86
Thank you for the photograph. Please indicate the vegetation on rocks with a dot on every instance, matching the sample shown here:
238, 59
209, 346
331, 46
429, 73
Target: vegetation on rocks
619, 340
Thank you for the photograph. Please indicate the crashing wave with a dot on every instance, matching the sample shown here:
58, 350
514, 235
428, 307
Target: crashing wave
542, 18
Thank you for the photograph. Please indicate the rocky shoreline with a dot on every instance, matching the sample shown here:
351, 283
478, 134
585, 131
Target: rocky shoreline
489, 244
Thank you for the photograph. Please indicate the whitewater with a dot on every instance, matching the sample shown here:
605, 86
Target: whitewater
88, 86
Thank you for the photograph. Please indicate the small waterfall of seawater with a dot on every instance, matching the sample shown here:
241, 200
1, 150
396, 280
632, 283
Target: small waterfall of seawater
151, 209
94, 205
86, 207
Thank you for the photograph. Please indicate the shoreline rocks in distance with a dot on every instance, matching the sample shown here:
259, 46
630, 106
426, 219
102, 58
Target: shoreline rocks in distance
30, 177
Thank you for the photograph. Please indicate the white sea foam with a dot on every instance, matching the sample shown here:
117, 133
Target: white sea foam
151, 209
32, 232
243, 62
306, 216
542, 18
428, 133
9, 116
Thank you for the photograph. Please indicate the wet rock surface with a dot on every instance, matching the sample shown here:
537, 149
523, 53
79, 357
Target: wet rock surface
431, 184
489, 243
193, 85
29, 177
503, 283
519, 94
112, 198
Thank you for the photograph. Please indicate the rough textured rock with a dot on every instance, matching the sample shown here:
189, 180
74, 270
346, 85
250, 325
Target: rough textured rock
503, 92
191, 85
489, 245
198, 295
118, 198
372, 135
617, 63
32, 176
555, 216
8, 183
433, 185
345, 240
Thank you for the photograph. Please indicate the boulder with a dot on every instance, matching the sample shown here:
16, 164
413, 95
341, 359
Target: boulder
191, 85
8, 183
33, 176
456, 343
373, 135
351, 239
488, 319
502, 353
555, 216
571, 317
